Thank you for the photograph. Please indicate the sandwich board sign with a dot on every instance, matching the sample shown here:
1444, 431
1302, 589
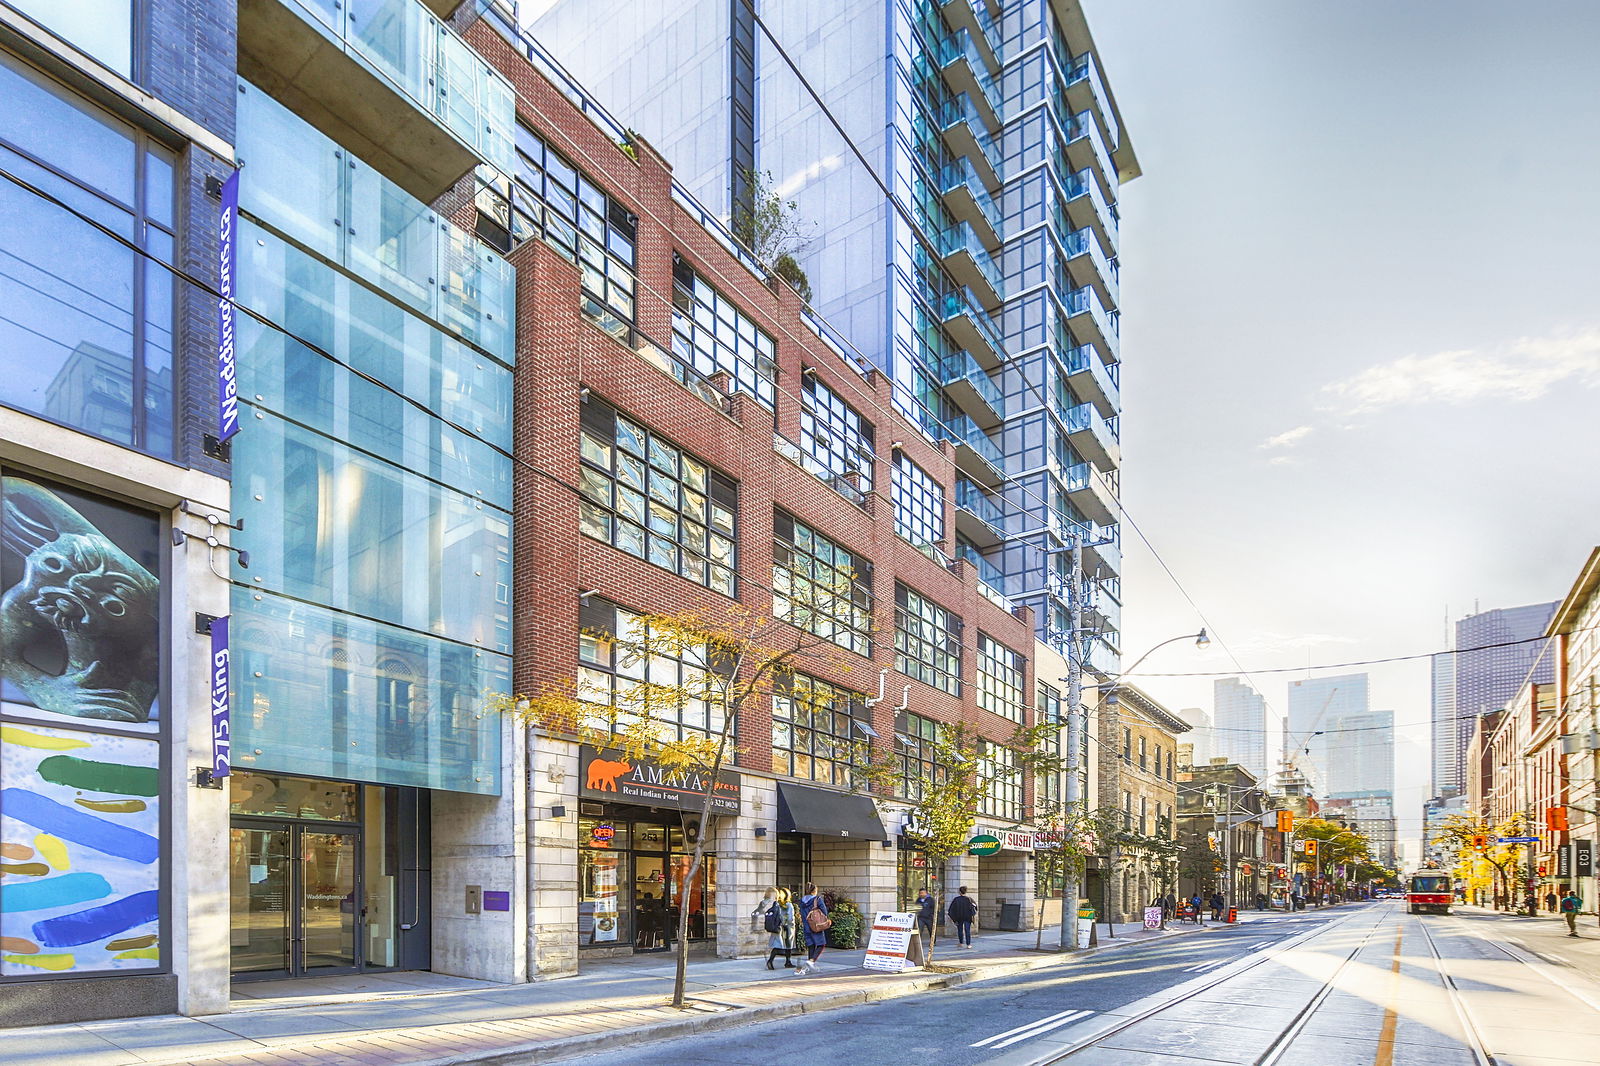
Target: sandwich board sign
895, 944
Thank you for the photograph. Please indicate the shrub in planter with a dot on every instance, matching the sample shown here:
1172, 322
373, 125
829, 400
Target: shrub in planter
847, 923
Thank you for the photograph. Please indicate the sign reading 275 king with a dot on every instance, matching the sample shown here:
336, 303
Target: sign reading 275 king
609, 775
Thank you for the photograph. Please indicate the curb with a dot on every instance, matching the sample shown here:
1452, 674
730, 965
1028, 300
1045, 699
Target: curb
551, 1050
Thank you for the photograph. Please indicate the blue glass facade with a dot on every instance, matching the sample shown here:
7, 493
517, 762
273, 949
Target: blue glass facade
372, 472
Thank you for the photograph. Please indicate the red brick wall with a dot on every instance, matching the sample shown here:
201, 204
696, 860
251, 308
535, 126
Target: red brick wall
560, 352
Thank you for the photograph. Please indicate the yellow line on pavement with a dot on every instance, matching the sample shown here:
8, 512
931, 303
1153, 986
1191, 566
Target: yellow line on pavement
1386, 1037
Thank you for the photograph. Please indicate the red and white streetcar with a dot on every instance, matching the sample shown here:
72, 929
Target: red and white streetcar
1430, 891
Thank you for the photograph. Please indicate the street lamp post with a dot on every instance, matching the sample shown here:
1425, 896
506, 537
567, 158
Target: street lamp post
1200, 639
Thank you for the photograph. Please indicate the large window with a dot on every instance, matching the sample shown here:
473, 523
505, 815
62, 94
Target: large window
914, 738
918, 504
836, 441
1050, 708
101, 28
927, 641
820, 586
656, 501
712, 335
819, 731
619, 666
85, 321
999, 770
1000, 673
553, 200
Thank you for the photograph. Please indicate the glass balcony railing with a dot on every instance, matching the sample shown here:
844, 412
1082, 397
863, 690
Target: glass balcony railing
963, 239
962, 178
1082, 185
967, 71
1084, 361
1085, 73
1082, 241
1082, 129
1093, 436
972, 498
1086, 301
968, 133
965, 433
964, 305
959, 370
425, 61
989, 574
302, 184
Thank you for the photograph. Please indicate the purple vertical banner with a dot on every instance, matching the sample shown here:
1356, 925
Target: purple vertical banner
221, 702
227, 267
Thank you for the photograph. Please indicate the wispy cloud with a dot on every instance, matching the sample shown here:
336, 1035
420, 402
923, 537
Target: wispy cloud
1523, 370
1288, 438
1268, 643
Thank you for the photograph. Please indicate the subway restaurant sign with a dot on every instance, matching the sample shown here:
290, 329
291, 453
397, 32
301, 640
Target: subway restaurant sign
1004, 839
983, 844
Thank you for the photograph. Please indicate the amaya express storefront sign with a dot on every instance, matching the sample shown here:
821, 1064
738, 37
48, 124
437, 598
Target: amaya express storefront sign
616, 778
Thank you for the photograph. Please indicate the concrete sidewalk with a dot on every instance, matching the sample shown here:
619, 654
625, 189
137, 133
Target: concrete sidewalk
394, 1019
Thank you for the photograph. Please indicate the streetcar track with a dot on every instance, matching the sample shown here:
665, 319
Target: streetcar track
1475, 1039
1191, 989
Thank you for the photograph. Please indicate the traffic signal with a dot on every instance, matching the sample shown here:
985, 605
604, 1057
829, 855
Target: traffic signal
1479, 841
1212, 841
1285, 821
1311, 847
1555, 819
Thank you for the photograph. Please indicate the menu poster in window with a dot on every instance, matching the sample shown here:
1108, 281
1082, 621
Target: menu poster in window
605, 905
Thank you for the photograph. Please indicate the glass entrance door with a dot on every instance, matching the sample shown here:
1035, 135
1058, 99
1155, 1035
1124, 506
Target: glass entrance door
296, 898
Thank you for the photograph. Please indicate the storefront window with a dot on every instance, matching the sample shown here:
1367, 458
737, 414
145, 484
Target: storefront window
630, 885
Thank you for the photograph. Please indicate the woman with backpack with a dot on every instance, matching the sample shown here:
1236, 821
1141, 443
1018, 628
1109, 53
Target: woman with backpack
777, 918
816, 923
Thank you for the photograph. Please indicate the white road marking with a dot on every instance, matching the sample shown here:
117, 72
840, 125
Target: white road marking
1203, 966
1553, 955
1032, 1029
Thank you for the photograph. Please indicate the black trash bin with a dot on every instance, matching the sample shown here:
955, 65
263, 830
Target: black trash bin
1011, 917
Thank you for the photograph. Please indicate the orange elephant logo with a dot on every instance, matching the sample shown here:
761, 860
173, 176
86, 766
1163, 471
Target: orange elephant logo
603, 774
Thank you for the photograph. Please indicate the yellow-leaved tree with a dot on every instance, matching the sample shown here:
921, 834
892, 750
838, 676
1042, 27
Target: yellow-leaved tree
728, 658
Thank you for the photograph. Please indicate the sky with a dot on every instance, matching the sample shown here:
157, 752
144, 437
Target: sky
1360, 331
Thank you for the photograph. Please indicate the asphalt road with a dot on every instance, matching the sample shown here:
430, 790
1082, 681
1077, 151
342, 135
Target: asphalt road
1002, 1015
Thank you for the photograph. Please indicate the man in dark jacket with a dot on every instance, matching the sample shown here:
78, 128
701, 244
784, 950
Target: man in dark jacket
925, 909
1216, 906
962, 911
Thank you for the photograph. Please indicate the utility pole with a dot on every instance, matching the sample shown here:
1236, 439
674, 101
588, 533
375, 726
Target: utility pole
1073, 792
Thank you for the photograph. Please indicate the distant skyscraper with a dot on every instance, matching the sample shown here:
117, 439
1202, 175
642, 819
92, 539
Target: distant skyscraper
1240, 725
1201, 736
1313, 705
1448, 776
1496, 652
1359, 753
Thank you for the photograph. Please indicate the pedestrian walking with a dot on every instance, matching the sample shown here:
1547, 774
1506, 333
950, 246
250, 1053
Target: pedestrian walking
1216, 906
962, 911
1550, 901
1571, 904
816, 923
1261, 901
926, 907
1197, 905
778, 918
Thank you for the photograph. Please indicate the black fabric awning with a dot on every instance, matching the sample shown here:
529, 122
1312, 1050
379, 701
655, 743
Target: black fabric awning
825, 813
